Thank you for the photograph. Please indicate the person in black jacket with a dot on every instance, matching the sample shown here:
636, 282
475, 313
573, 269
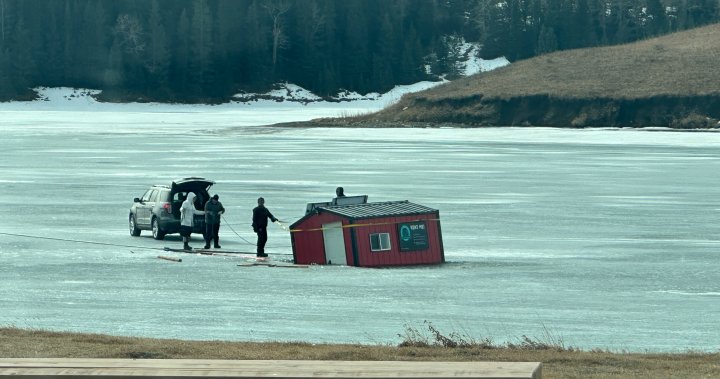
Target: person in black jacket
213, 211
259, 224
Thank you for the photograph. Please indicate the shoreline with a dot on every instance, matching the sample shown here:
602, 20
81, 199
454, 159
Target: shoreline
365, 124
358, 113
557, 362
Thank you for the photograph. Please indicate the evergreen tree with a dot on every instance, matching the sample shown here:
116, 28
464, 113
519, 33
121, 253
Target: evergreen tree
411, 59
624, 20
505, 30
353, 51
535, 20
50, 53
562, 20
438, 59
23, 63
657, 18
428, 13
325, 41
494, 27
310, 42
4, 12
157, 59
93, 37
516, 28
547, 42
70, 47
598, 12
180, 68
7, 85
700, 12
200, 62
256, 46
384, 60
200, 49
227, 46
583, 25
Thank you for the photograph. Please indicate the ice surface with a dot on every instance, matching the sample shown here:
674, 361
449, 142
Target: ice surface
605, 238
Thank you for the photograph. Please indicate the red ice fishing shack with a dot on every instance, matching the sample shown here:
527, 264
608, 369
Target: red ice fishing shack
350, 231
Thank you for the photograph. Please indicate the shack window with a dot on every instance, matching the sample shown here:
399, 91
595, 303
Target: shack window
380, 241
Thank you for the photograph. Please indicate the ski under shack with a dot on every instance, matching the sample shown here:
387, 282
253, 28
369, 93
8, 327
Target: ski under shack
350, 231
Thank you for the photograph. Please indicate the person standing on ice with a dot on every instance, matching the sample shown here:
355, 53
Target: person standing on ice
259, 225
213, 210
187, 214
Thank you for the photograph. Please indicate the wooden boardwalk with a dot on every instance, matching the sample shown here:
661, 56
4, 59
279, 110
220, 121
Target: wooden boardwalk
36, 368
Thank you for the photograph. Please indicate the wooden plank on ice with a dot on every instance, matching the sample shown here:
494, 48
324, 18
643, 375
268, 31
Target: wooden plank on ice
165, 257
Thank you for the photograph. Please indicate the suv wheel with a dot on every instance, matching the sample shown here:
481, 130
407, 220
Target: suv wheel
157, 233
134, 231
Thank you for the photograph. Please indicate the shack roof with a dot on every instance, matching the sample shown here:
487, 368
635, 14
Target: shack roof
374, 210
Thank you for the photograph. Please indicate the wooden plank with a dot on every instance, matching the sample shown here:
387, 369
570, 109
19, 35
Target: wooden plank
216, 252
36, 368
193, 251
246, 253
165, 257
271, 264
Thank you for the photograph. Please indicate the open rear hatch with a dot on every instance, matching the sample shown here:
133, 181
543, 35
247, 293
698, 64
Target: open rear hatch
200, 187
197, 185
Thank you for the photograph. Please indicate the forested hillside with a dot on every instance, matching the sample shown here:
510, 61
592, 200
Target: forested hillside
206, 50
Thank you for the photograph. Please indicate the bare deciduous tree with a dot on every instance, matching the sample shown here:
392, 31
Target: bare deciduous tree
277, 9
129, 32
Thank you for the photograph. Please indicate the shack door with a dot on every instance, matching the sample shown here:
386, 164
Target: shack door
334, 243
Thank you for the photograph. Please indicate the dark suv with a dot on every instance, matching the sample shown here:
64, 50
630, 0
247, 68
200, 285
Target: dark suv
159, 208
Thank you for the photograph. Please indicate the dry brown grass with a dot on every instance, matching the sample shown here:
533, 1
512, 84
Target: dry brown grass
557, 363
668, 81
685, 63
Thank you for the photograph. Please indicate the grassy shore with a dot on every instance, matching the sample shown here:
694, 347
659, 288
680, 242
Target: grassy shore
670, 81
558, 361
678, 64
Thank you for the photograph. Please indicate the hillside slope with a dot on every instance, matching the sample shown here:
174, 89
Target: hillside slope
671, 81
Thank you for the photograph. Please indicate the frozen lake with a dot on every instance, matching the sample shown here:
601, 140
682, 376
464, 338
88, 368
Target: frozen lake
601, 238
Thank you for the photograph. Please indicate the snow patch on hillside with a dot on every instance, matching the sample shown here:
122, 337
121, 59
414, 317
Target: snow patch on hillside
474, 64
295, 93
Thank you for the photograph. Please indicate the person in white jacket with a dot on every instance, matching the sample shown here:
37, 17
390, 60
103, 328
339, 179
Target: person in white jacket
187, 212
